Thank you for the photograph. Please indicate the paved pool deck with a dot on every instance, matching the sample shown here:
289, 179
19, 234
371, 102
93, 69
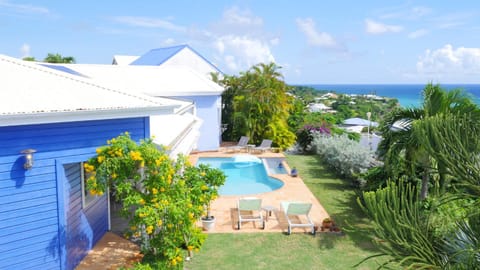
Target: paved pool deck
224, 208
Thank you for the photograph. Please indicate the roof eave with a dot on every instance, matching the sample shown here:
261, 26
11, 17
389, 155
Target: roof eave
87, 115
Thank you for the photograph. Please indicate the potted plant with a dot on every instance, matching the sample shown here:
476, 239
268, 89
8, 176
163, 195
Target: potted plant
327, 223
212, 180
208, 221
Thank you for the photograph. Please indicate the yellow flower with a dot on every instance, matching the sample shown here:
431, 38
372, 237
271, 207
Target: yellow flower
142, 164
169, 225
100, 159
214, 197
93, 192
162, 189
135, 155
119, 153
189, 205
204, 187
190, 247
179, 258
154, 191
158, 162
202, 173
149, 229
141, 201
99, 150
190, 215
174, 262
114, 175
159, 222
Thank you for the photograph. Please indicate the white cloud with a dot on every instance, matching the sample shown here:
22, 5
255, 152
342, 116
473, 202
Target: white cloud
417, 34
25, 50
239, 41
242, 52
23, 8
377, 28
169, 41
149, 22
314, 37
447, 60
235, 16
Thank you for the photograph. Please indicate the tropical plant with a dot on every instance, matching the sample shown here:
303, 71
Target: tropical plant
306, 134
400, 143
162, 198
402, 227
57, 58
256, 104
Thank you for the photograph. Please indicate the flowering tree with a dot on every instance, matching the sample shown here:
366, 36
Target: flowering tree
306, 134
162, 198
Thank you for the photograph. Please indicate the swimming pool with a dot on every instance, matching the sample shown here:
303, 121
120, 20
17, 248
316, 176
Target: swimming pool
246, 174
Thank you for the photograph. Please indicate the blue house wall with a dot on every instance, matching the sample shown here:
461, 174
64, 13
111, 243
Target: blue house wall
42, 222
209, 110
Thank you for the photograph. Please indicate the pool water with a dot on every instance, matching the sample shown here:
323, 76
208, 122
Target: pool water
245, 175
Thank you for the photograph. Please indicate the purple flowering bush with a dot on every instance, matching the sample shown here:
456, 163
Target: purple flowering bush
306, 134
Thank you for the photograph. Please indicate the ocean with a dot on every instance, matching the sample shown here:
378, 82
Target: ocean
408, 95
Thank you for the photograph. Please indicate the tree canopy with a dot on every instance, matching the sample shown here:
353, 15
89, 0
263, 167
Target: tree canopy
256, 104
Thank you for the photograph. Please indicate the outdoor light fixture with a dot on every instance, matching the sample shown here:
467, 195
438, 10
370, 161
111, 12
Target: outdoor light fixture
28, 158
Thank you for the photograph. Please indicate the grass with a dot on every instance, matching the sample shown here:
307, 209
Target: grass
299, 251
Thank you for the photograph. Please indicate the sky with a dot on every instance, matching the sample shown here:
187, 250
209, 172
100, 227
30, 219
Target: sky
314, 42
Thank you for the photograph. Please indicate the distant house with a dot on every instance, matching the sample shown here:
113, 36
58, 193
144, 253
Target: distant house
357, 124
318, 107
47, 218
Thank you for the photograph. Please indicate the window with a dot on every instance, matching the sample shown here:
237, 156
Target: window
87, 198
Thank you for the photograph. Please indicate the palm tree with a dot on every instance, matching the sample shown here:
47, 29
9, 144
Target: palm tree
401, 145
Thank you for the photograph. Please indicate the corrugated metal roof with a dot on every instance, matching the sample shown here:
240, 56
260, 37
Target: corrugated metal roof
151, 80
359, 122
157, 56
29, 91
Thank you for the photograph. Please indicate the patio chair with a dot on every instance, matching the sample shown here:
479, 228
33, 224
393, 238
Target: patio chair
299, 209
264, 146
250, 209
242, 144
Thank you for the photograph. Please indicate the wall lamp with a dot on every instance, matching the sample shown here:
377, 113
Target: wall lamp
28, 153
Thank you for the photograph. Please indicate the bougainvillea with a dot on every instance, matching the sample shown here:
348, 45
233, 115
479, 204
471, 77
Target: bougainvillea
162, 198
306, 133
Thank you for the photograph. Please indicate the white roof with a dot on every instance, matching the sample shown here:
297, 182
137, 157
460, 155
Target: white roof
31, 94
151, 80
124, 60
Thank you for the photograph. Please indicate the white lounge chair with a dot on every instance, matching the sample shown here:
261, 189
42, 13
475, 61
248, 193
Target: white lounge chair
250, 209
242, 144
299, 209
264, 146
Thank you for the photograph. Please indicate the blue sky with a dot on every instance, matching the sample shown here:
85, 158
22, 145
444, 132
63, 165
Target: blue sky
320, 42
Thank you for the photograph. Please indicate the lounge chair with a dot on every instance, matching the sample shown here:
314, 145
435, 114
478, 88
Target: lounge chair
299, 209
242, 144
264, 146
250, 209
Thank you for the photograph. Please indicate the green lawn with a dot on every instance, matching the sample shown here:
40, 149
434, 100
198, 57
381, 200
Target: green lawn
298, 251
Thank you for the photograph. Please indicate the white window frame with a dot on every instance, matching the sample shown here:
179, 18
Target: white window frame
87, 199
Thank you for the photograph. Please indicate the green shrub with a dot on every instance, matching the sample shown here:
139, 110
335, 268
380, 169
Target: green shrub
346, 157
